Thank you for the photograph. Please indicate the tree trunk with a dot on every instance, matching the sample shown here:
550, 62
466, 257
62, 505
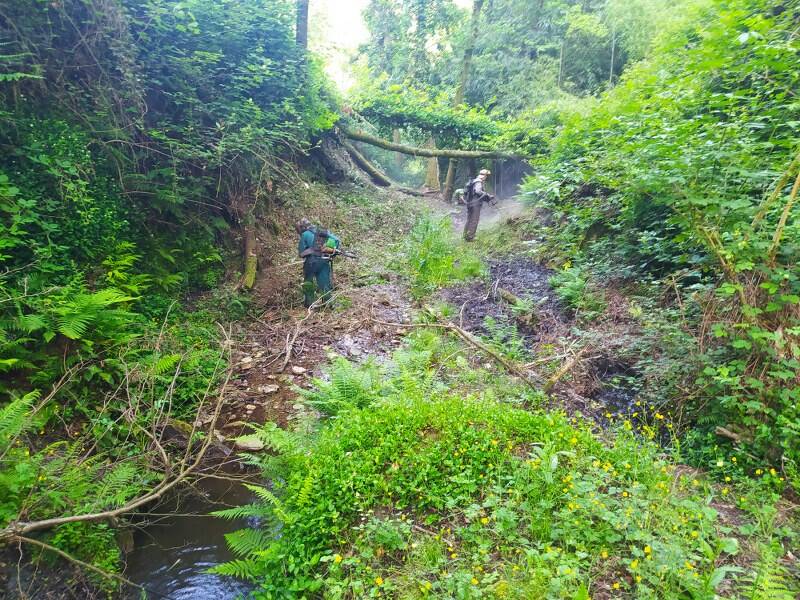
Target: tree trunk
432, 172
449, 180
398, 158
613, 51
244, 206
301, 31
360, 136
250, 256
377, 176
466, 65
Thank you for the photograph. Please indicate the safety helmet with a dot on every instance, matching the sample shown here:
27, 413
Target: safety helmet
484, 172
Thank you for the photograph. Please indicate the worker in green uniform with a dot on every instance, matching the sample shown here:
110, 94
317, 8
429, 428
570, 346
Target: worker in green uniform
316, 248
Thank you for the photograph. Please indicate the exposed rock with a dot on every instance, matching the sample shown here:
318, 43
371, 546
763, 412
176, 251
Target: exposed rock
249, 444
298, 370
268, 389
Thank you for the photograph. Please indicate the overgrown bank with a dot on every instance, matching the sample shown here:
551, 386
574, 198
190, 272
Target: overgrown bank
443, 474
684, 179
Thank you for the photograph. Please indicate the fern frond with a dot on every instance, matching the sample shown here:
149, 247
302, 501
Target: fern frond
74, 325
280, 440
30, 323
248, 542
771, 580
240, 568
246, 511
306, 489
117, 486
272, 500
15, 416
166, 363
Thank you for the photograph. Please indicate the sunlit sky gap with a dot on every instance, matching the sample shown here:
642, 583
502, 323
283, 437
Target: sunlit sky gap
336, 29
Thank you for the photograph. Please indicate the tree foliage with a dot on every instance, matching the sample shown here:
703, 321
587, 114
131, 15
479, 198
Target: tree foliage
689, 165
134, 136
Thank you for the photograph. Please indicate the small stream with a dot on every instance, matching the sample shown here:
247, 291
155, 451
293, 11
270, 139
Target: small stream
172, 553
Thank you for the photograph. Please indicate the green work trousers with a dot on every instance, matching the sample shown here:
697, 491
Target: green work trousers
316, 275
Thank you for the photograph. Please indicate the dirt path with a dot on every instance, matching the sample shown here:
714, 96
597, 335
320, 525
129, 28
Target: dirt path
490, 215
285, 346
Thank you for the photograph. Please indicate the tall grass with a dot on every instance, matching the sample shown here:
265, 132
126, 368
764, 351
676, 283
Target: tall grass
434, 258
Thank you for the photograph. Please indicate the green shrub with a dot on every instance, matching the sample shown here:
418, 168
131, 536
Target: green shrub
572, 287
434, 494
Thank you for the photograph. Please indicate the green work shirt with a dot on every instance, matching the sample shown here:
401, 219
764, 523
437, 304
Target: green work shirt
307, 240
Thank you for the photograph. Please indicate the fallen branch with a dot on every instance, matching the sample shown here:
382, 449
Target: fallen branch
17, 529
566, 368
80, 563
378, 177
360, 136
731, 435
512, 299
466, 336
526, 317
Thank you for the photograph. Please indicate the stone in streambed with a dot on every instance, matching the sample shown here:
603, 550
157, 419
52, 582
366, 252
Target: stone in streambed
249, 444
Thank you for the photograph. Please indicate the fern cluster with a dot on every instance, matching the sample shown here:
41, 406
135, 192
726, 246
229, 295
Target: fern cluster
346, 386
771, 580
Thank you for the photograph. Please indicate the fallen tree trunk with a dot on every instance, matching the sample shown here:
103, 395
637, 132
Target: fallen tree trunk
363, 163
377, 176
428, 152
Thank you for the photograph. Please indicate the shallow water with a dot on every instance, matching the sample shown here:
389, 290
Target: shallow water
172, 553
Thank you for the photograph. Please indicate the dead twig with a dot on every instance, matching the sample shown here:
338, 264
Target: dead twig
532, 380
80, 563
565, 368
18, 529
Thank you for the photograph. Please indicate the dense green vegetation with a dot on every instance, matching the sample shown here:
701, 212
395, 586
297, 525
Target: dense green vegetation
431, 483
139, 140
154, 154
686, 173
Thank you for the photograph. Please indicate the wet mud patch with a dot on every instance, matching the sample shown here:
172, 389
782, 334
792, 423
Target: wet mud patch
283, 351
616, 389
525, 280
